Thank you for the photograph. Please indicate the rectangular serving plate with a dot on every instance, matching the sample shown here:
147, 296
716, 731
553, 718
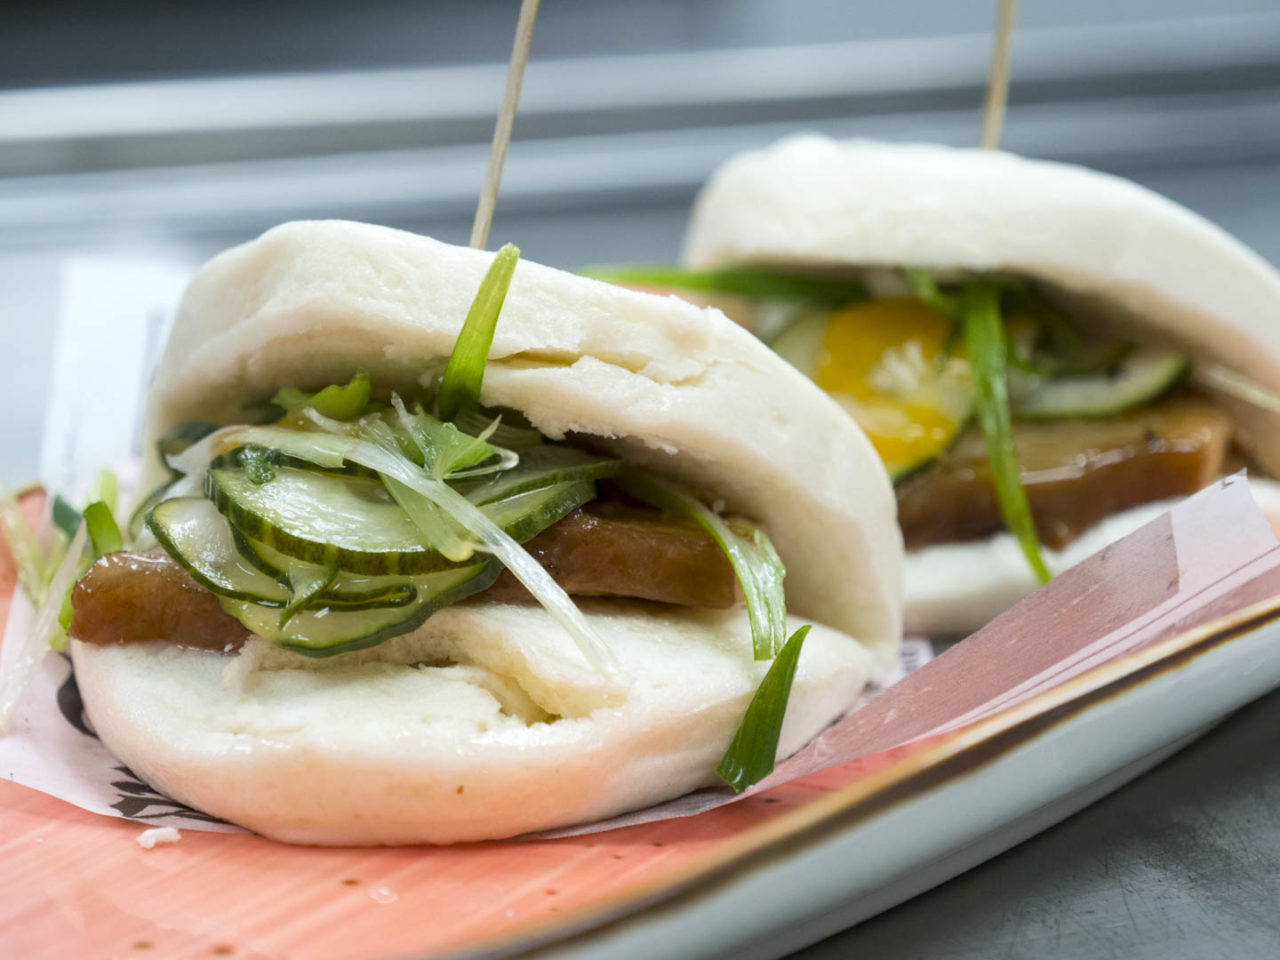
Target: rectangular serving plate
757, 878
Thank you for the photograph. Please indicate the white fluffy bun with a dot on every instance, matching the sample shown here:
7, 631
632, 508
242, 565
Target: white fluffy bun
484, 723
1130, 256
382, 747
1139, 259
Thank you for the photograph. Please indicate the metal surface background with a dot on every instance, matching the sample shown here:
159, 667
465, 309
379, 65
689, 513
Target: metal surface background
1182, 863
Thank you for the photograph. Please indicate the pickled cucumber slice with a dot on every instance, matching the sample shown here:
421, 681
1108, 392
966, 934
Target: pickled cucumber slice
198, 537
527, 514
193, 532
353, 523
351, 591
324, 631
348, 522
1144, 375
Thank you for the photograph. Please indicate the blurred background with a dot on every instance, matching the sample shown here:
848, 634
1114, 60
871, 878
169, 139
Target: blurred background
169, 131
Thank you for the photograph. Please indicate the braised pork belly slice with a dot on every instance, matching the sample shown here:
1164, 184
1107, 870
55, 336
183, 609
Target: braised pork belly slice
611, 550
129, 597
1075, 472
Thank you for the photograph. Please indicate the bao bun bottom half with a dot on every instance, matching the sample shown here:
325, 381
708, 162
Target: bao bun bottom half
486, 722
1136, 263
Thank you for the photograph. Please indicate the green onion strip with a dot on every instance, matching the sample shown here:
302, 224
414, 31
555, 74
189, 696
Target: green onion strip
760, 573
336, 401
103, 532
27, 555
31, 646
751, 753
305, 584
756, 564
460, 387
988, 357
491, 538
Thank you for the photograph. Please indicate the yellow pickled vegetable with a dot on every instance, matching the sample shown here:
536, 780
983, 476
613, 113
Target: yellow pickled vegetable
886, 362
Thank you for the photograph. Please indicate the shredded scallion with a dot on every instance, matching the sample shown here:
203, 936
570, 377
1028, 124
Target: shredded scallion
106, 488
751, 753
926, 288
988, 357
305, 584
32, 645
1236, 385
760, 573
512, 431
28, 558
755, 563
447, 452
101, 526
347, 401
65, 517
464, 373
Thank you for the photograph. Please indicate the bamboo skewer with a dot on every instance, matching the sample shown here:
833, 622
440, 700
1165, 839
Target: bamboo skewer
998, 78
502, 128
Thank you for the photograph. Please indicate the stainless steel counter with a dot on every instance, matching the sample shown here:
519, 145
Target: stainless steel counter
1182, 864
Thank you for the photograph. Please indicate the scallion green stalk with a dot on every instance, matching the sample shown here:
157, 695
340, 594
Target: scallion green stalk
44, 635
337, 401
106, 488
759, 570
65, 517
464, 373
756, 564
305, 584
103, 532
988, 357
104, 538
28, 558
751, 753
925, 287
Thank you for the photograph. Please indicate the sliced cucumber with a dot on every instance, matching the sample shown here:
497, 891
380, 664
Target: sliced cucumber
199, 538
1142, 376
324, 631
348, 522
351, 591
255, 455
541, 467
800, 342
138, 519
527, 514
352, 523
